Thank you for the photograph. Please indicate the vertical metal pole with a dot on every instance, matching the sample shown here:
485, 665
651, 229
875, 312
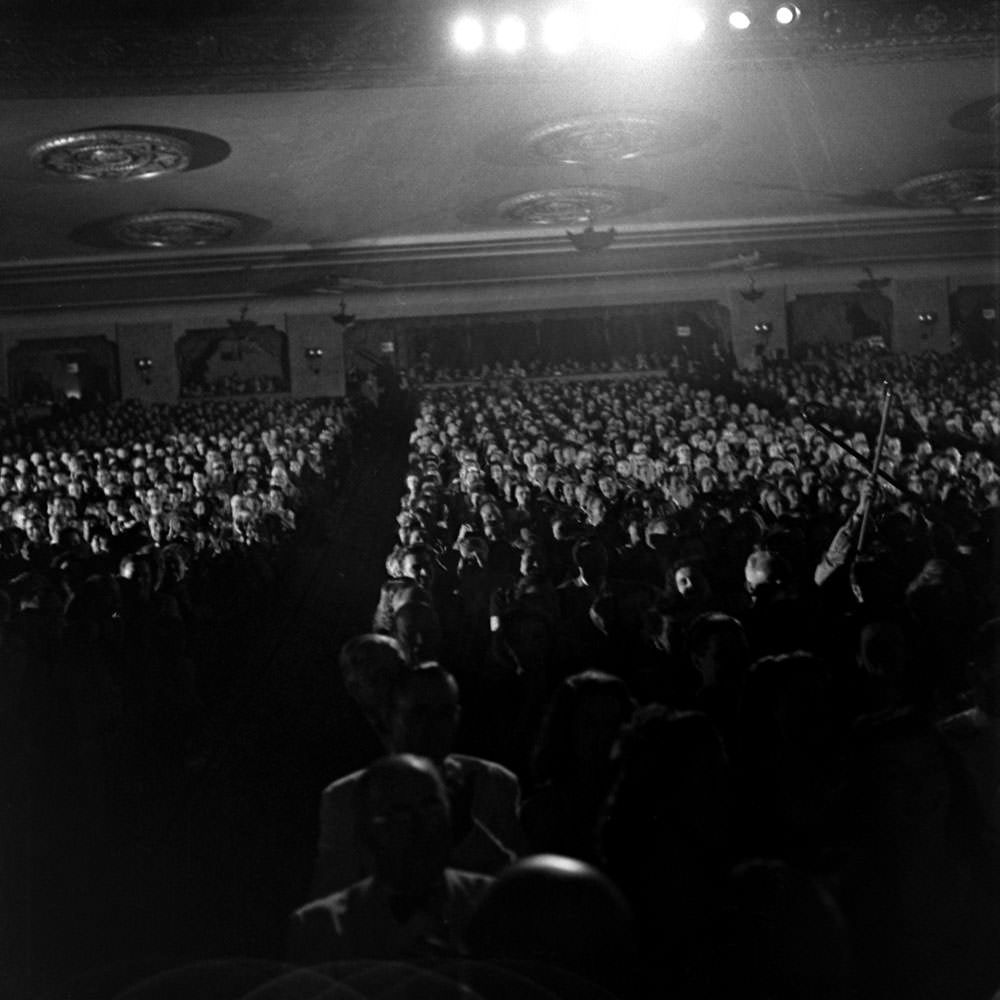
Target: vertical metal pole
873, 475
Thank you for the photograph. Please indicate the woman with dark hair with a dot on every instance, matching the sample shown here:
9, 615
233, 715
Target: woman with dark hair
571, 764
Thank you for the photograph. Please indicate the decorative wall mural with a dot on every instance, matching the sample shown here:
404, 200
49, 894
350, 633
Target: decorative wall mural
241, 359
567, 206
610, 137
126, 152
175, 229
954, 189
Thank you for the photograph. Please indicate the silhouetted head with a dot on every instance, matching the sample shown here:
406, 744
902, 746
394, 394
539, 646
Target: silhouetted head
555, 911
404, 821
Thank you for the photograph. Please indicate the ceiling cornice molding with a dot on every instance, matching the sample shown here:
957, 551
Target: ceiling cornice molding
114, 280
387, 43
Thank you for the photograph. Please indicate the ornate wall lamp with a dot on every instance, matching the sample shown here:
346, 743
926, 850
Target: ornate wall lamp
314, 359
144, 369
927, 319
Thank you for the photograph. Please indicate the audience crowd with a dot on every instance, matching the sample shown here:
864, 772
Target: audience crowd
668, 690
136, 545
732, 697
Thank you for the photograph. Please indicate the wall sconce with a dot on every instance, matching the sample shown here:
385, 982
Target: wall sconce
926, 318
314, 359
144, 368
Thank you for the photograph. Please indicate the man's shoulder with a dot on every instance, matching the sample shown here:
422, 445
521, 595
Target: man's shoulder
343, 786
479, 765
465, 884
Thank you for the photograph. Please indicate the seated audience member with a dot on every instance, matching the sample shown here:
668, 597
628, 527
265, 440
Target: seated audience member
560, 924
915, 885
975, 733
572, 767
485, 797
720, 655
370, 668
416, 628
778, 619
665, 837
413, 906
779, 935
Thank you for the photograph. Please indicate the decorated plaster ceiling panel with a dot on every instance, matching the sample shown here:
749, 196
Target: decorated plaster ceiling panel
955, 189
175, 229
125, 153
980, 117
613, 137
569, 206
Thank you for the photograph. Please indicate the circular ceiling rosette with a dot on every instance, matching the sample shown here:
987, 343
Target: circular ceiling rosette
112, 155
955, 189
175, 229
981, 117
564, 206
608, 138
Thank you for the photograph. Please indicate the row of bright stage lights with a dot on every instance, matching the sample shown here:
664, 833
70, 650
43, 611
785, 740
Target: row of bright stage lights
627, 24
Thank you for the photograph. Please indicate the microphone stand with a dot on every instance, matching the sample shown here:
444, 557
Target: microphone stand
873, 474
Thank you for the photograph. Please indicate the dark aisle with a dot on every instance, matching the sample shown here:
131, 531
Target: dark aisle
212, 866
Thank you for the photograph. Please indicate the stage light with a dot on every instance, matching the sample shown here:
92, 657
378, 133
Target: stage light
739, 20
511, 34
561, 31
642, 25
690, 25
787, 14
467, 34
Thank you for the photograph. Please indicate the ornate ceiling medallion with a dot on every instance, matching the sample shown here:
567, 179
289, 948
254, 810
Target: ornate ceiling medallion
563, 206
175, 229
613, 137
111, 155
980, 117
956, 189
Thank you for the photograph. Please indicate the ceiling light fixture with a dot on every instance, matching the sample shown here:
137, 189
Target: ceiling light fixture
739, 20
343, 318
870, 283
467, 34
592, 239
511, 35
786, 14
690, 25
561, 31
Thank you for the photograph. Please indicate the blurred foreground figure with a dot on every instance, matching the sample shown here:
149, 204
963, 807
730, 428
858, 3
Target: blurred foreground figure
561, 923
413, 907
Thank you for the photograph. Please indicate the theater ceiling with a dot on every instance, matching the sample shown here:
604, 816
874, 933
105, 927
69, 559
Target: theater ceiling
210, 150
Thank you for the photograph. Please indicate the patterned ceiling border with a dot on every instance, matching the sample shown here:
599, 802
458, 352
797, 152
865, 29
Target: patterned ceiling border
398, 43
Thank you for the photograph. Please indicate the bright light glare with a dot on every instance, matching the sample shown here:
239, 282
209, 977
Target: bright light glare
511, 34
690, 25
739, 20
786, 13
639, 26
467, 34
561, 31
